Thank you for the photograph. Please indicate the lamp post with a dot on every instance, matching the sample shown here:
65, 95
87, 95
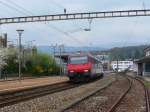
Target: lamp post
20, 31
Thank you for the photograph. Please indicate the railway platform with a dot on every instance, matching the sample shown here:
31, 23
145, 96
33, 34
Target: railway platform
14, 85
147, 78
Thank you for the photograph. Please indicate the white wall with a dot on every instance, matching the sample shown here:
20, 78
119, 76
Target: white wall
123, 65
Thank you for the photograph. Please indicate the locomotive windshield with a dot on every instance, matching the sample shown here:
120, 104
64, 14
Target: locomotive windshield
79, 60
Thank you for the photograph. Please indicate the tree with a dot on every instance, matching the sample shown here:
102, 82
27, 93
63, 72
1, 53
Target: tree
7, 59
41, 65
3, 58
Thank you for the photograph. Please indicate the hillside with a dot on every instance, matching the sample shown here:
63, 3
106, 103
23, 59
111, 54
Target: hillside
48, 50
122, 53
130, 52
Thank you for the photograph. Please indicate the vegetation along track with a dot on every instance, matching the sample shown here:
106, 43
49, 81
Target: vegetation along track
11, 97
147, 101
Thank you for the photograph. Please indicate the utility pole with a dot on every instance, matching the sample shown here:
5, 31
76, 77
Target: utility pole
0, 73
20, 31
54, 51
16, 42
30, 43
60, 61
117, 65
61, 48
65, 10
30, 46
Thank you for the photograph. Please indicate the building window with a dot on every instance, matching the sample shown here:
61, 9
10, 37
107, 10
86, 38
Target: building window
147, 67
148, 53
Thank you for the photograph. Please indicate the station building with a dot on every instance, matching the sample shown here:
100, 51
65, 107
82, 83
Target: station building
144, 63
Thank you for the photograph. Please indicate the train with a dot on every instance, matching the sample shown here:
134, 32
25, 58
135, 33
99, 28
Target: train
84, 67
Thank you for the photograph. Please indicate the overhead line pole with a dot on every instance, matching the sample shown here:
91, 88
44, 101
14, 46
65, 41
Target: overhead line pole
20, 31
72, 16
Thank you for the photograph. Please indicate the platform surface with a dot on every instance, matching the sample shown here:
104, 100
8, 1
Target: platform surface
29, 83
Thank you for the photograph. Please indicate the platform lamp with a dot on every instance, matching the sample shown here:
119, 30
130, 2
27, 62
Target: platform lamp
20, 31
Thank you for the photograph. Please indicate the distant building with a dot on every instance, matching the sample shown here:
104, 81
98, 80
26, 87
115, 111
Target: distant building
123, 65
147, 51
144, 63
3, 41
105, 59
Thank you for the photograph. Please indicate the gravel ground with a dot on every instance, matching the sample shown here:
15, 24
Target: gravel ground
103, 100
134, 101
58, 101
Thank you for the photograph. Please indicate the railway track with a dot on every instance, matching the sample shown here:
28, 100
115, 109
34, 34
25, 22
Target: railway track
147, 99
88, 96
12, 97
122, 96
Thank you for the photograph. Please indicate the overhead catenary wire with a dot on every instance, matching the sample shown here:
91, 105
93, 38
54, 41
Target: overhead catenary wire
135, 23
144, 7
11, 7
26, 12
57, 4
16, 5
78, 29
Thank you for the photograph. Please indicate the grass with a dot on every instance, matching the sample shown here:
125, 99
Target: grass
147, 83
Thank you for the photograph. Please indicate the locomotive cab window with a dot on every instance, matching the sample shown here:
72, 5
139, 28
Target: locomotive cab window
79, 60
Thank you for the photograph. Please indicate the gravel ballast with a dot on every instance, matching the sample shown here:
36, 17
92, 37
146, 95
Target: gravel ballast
58, 101
134, 101
104, 99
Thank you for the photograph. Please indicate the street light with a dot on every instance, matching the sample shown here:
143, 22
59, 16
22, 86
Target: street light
20, 31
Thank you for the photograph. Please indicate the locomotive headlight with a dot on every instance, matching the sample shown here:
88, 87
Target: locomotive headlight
86, 70
71, 71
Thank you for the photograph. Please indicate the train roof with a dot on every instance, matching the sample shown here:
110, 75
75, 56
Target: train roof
85, 54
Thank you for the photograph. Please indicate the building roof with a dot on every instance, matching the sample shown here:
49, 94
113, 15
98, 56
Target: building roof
147, 48
144, 59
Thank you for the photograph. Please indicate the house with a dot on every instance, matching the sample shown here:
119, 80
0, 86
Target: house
123, 65
144, 63
105, 59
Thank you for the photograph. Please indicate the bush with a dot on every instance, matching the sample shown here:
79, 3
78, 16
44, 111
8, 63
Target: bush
37, 65
41, 65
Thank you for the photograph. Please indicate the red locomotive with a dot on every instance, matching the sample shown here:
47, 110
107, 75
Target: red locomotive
84, 67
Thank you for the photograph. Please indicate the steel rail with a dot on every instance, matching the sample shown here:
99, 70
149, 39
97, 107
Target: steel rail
147, 98
86, 97
73, 16
115, 105
12, 97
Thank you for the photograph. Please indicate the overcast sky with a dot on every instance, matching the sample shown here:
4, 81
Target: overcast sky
105, 33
